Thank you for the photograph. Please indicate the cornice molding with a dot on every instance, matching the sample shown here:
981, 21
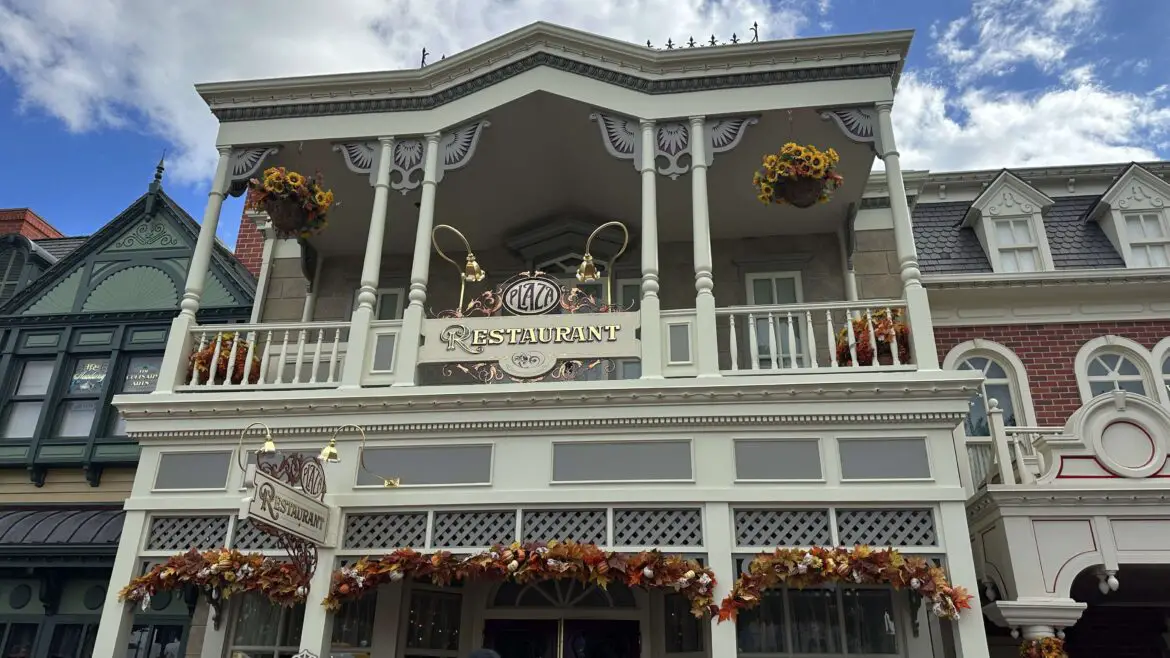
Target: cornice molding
1109, 276
415, 97
993, 503
580, 423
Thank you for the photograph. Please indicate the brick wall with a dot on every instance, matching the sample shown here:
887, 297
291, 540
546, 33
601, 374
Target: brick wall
26, 223
250, 246
1049, 353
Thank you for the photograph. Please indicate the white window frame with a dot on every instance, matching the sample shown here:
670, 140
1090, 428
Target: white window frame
765, 355
1008, 360
1111, 344
1134, 244
1160, 358
1002, 251
1008, 198
275, 649
1136, 192
400, 307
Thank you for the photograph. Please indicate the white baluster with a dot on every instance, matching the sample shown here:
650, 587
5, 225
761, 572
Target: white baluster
333, 355
812, 341
831, 337
283, 358
214, 359
317, 357
202, 345
296, 378
792, 342
772, 342
264, 358
753, 342
893, 338
732, 343
872, 336
227, 380
250, 356
852, 338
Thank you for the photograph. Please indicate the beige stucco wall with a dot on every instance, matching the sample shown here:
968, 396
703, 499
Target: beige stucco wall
66, 486
284, 300
875, 262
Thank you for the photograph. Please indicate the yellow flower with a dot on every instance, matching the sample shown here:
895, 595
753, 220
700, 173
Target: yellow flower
757, 178
773, 176
295, 180
770, 161
321, 199
766, 189
832, 155
274, 186
816, 161
764, 199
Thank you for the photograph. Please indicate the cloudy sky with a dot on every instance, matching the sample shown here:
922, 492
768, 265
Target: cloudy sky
92, 92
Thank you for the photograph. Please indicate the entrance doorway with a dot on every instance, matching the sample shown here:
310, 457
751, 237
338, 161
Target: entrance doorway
563, 638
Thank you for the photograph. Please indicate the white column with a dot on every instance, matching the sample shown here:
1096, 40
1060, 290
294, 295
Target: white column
317, 630
917, 304
173, 370
651, 306
847, 268
265, 269
113, 634
970, 635
717, 534
359, 326
706, 346
311, 295
406, 361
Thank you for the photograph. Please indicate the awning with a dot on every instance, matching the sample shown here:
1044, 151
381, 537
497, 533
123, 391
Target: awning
60, 531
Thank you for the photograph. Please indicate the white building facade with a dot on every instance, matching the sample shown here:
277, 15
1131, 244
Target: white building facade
712, 417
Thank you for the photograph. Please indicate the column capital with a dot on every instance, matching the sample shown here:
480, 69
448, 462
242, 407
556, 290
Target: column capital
647, 124
884, 106
224, 150
433, 138
388, 139
1033, 615
697, 120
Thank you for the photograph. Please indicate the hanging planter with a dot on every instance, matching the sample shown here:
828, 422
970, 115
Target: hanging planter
889, 330
296, 204
798, 175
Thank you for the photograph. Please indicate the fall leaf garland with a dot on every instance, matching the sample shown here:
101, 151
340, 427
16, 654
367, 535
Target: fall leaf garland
800, 568
526, 563
222, 571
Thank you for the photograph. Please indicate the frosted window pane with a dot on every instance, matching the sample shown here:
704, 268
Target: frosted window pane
1003, 234
76, 418
762, 292
875, 459
21, 420
625, 460
1027, 260
780, 459
34, 379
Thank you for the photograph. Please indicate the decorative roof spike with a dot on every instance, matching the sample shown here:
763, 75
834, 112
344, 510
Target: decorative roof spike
691, 43
648, 44
424, 57
713, 42
669, 44
755, 31
158, 170
734, 38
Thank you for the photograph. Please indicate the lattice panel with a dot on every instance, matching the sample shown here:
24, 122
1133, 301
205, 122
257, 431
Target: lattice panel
584, 526
250, 537
472, 529
657, 527
182, 533
386, 531
775, 527
886, 527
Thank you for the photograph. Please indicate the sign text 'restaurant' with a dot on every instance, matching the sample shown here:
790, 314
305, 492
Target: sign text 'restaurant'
473, 341
288, 510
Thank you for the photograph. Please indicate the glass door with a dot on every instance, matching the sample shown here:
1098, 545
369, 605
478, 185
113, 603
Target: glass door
601, 638
522, 638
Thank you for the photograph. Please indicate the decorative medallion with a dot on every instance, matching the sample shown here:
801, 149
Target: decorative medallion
622, 138
408, 155
531, 296
858, 123
151, 234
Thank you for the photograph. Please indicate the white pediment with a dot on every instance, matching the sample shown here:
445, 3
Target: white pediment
1137, 189
1007, 196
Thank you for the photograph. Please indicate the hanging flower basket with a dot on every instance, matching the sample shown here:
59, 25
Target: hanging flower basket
889, 329
216, 355
861, 565
798, 175
530, 563
297, 205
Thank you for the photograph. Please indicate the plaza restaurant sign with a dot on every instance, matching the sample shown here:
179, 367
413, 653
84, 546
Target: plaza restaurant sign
288, 510
515, 326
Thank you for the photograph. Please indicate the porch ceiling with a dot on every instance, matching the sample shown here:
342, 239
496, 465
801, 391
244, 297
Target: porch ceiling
543, 158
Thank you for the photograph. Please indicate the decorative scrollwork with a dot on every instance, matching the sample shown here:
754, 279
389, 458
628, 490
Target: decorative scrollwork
490, 372
296, 470
491, 302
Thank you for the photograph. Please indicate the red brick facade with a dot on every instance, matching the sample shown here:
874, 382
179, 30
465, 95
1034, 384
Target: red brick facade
250, 246
26, 223
1049, 353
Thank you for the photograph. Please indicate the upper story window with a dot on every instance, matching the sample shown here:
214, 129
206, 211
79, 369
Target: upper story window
31, 388
997, 385
1113, 371
773, 289
1149, 239
1113, 363
1008, 218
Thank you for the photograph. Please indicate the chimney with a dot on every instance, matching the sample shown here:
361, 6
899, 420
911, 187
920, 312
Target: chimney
250, 245
26, 223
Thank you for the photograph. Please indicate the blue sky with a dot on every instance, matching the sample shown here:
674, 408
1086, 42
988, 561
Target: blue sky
91, 94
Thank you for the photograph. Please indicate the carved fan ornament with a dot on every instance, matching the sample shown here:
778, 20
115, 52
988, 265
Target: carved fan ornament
408, 155
622, 138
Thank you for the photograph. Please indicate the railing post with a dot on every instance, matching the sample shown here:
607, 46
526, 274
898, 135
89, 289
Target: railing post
706, 341
359, 329
650, 307
999, 439
917, 304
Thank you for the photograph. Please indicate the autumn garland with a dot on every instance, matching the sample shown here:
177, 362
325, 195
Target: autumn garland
861, 565
529, 563
1045, 647
220, 572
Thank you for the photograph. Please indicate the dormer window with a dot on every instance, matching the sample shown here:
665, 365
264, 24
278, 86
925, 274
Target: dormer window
1149, 239
1008, 219
1134, 215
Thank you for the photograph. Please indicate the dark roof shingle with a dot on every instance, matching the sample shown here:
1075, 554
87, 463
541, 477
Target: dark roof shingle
61, 247
1075, 242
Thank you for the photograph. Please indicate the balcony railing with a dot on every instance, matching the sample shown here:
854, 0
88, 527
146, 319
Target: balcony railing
1024, 462
267, 356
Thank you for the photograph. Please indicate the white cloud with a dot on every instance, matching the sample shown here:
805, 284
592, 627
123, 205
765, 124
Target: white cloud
133, 63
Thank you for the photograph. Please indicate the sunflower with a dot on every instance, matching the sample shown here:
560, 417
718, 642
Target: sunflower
766, 190
273, 186
832, 155
770, 161
295, 180
321, 199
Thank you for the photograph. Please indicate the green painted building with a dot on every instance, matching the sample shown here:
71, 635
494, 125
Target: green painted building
82, 320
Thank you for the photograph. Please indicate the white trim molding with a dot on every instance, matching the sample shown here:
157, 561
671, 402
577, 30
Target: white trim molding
1009, 199
1110, 343
1017, 372
1158, 356
1136, 191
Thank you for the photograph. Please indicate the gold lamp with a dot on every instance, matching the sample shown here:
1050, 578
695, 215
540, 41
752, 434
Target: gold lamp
266, 448
469, 272
389, 483
587, 270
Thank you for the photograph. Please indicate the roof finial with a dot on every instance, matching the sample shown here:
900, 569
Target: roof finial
158, 170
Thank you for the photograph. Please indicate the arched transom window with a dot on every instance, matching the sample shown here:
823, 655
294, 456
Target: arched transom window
997, 385
562, 594
1113, 371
